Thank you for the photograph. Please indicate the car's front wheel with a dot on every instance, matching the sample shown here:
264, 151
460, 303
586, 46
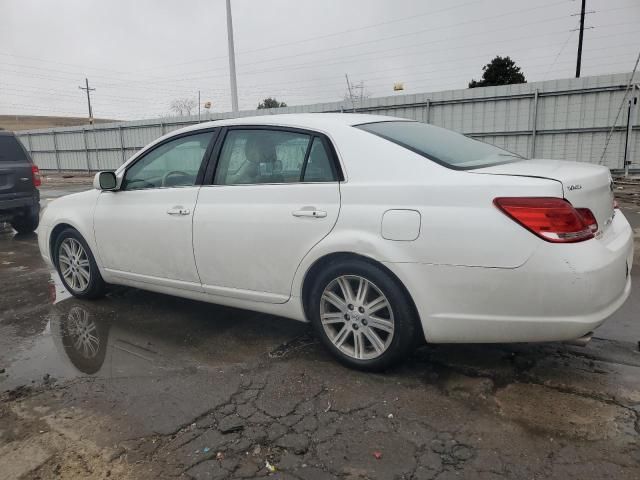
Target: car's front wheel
77, 267
362, 314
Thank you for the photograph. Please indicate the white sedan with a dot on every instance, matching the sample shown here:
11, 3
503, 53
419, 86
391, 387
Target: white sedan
380, 231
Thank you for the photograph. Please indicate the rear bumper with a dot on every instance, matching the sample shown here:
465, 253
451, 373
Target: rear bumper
12, 202
561, 293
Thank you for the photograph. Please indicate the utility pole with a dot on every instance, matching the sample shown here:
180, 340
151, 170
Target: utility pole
232, 60
198, 106
579, 62
353, 106
88, 90
631, 117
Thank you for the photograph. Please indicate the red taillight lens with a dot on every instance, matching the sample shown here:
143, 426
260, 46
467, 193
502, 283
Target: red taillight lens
35, 174
552, 219
588, 218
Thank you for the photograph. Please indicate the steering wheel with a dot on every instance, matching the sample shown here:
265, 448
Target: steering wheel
173, 172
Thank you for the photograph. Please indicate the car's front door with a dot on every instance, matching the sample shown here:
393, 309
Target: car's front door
274, 195
144, 229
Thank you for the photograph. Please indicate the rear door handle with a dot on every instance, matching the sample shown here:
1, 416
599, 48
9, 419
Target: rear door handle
309, 213
178, 211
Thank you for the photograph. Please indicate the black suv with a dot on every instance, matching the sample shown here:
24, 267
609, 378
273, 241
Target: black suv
19, 177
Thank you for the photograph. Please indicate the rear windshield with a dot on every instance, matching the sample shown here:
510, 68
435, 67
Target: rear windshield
443, 146
11, 150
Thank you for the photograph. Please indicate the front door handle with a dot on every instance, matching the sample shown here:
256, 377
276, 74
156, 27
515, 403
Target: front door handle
309, 213
178, 211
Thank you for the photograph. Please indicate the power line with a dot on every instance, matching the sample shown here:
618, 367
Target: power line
626, 92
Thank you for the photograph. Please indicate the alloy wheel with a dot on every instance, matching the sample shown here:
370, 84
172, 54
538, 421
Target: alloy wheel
74, 264
357, 317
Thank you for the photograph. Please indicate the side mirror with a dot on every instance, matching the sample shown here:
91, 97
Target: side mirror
105, 181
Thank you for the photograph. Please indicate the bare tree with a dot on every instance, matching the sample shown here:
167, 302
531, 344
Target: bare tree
183, 106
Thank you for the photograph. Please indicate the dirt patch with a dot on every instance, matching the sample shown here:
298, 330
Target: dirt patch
547, 410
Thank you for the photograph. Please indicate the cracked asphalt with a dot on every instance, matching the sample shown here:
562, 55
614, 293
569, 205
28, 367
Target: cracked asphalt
172, 388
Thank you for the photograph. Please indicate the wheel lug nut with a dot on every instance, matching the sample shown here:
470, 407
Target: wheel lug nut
355, 326
350, 307
364, 322
347, 317
361, 309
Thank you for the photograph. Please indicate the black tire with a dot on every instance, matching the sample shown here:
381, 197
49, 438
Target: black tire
26, 223
96, 287
406, 326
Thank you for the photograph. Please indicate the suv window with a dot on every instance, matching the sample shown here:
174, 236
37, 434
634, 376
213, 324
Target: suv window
172, 164
11, 150
272, 156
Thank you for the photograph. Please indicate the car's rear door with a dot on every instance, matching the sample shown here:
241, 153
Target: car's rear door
16, 177
274, 195
144, 229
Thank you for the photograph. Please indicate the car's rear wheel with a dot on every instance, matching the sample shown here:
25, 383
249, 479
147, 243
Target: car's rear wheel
26, 223
362, 314
77, 267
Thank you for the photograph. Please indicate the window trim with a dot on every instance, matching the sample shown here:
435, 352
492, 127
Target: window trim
214, 159
203, 164
421, 153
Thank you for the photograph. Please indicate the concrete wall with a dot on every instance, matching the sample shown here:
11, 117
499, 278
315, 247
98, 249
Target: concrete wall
563, 119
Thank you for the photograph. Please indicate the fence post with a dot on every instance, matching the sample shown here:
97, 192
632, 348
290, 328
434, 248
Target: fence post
95, 146
162, 128
86, 148
29, 143
428, 108
55, 150
121, 143
534, 126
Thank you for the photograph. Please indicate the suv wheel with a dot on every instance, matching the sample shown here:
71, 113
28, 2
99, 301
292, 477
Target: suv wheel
362, 315
77, 267
26, 223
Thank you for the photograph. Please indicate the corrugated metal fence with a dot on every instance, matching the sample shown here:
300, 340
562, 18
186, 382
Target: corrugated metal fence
565, 119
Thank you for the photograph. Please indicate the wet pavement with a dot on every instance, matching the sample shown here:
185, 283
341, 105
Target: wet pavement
142, 385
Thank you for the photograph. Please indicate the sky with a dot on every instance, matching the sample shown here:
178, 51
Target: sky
140, 55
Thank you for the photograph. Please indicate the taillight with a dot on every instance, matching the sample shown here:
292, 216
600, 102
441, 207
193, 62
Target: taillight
552, 219
588, 218
35, 175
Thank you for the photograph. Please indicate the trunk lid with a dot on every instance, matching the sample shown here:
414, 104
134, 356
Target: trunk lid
583, 184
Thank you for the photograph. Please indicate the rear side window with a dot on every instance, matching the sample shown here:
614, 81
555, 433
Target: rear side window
443, 146
11, 150
254, 156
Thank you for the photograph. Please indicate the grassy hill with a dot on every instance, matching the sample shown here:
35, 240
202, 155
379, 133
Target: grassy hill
31, 122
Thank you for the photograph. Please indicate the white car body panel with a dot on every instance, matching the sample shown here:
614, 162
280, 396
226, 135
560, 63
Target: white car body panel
248, 242
157, 246
473, 274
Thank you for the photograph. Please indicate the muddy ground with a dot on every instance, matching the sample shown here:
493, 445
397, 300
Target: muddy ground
141, 385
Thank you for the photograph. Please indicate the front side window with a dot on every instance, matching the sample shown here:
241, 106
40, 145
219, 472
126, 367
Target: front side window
271, 156
172, 164
443, 146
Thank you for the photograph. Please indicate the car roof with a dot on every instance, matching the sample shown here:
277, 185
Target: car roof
317, 121
7, 133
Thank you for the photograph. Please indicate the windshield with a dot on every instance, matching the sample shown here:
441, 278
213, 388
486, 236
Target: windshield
443, 146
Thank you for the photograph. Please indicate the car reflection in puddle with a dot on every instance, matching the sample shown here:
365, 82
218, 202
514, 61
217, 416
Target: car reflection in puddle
132, 333
80, 339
